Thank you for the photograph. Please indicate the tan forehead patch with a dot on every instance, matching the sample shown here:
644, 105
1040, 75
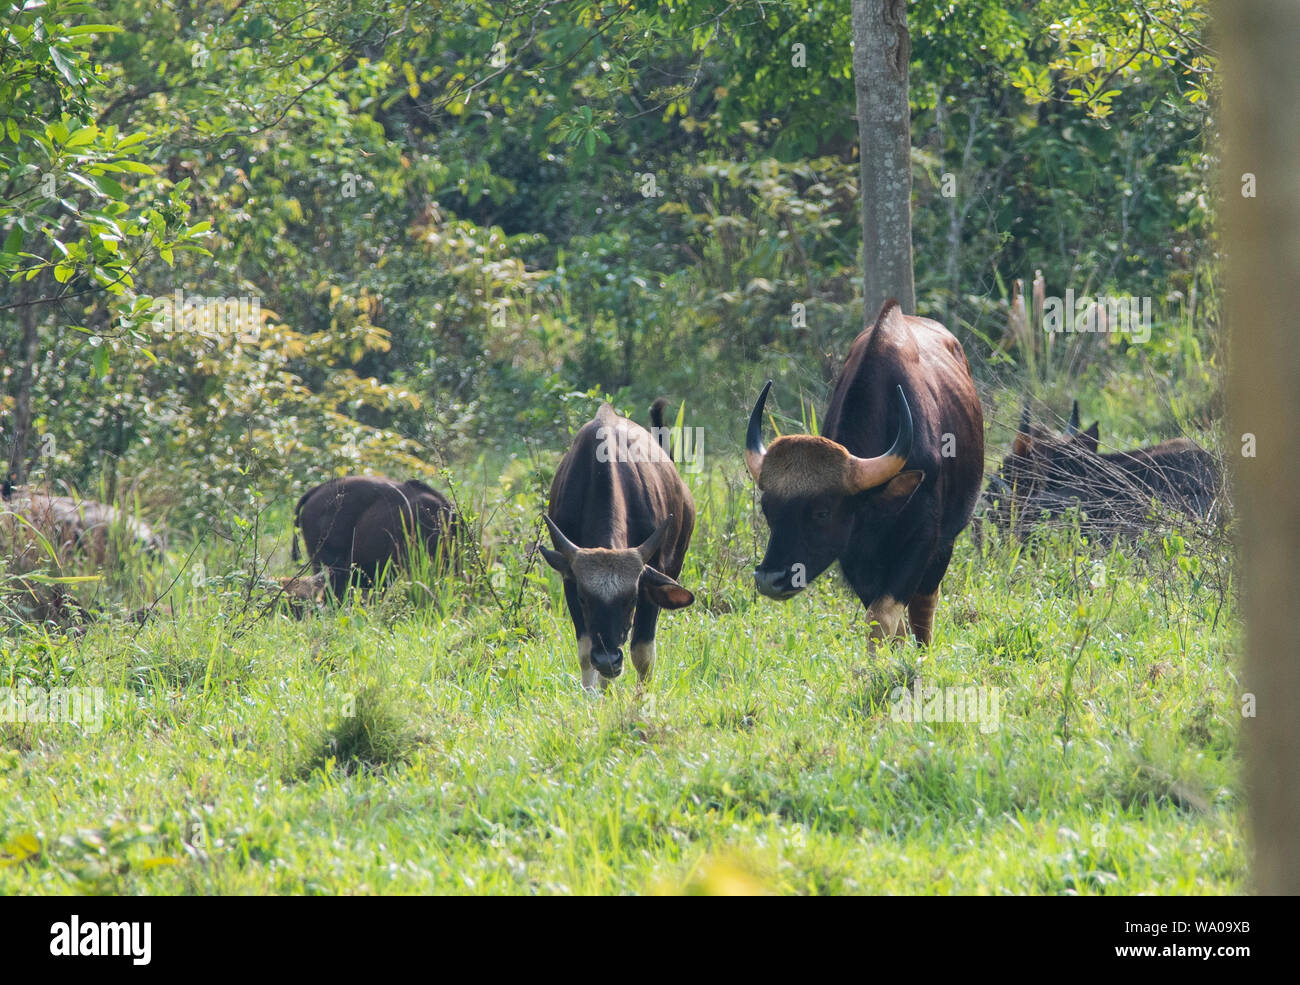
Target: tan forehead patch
804, 465
605, 573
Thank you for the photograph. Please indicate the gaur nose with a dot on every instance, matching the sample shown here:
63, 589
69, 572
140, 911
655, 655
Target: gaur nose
769, 583
608, 664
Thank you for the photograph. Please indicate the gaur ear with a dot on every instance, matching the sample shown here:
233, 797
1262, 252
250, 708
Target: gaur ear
663, 591
1090, 437
556, 560
894, 495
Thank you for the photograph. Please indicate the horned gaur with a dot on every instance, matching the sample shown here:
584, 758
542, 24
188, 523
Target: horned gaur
620, 519
69, 524
890, 483
358, 526
1047, 474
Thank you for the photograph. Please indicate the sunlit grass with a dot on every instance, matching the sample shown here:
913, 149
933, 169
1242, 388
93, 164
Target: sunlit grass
439, 742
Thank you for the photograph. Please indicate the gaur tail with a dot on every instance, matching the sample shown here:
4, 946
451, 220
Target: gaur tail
657, 421
297, 522
657, 412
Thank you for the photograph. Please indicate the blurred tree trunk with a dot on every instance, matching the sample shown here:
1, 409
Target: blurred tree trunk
1261, 131
28, 323
881, 49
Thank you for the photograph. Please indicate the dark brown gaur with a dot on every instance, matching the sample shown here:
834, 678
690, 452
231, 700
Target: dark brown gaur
620, 519
359, 526
1115, 493
889, 517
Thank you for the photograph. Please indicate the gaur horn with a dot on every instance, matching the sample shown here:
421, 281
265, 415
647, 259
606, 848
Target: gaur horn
562, 543
1073, 427
754, 450
647, 550
867, 473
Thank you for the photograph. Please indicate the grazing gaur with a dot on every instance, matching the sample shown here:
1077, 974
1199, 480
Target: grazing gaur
70, 524
357, 526
1115, 493
620, 518
890, 483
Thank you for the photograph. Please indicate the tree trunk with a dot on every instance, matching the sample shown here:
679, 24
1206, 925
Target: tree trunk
881, 49
1261, 137
27, 355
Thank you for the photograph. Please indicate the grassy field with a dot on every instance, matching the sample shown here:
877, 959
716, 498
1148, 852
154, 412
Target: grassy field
441, 743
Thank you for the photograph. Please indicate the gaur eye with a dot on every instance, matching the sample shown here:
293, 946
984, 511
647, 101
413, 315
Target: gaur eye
821, 514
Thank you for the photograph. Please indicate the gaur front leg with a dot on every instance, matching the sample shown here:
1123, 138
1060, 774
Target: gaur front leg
643, 639
886, 616
887, 609
591, 677
920, 610
920, 613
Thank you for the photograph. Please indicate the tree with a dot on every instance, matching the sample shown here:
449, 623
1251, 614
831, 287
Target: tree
881, 49
1261, 124
76, 221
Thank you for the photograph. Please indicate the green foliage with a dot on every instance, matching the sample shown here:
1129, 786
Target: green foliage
450, 229
453, 217
78, 204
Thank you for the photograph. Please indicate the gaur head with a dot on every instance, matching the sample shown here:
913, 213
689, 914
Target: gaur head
609, 583
1040, 464
814, 492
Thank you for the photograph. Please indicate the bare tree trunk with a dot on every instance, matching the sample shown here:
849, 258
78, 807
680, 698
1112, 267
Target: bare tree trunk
1261, 127
881, 49
27, 355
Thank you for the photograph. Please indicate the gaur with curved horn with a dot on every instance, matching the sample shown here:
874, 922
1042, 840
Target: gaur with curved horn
860, 474
620, 520
890, 518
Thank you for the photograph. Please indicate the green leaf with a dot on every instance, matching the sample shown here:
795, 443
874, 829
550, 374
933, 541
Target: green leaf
84, 182
80, 29
67, 68
109, 187
79, 138
135, 167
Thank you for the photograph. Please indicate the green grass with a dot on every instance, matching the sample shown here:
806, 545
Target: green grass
441, 743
